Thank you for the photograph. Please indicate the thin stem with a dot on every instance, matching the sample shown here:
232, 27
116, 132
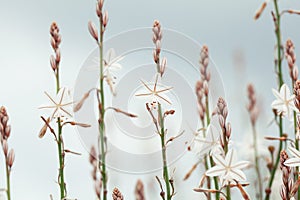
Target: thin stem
164, 154
280, 83
61, 161
210, 158
7, 180
102, 145
61, 180
206, 164
257, 168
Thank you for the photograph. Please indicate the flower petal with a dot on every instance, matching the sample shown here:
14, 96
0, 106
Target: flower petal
294, 152
292, 162
215, 171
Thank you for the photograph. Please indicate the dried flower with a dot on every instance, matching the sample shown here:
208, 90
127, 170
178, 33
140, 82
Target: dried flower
260, 10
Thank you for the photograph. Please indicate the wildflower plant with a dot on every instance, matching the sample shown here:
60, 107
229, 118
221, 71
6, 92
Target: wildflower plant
61, 114
9, 154
158, 115
283, 105
107, 65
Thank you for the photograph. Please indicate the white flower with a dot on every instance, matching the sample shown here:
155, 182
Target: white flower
228, 169
293, 162
111, 65
61, 104
155, 94
284, 104
211, 143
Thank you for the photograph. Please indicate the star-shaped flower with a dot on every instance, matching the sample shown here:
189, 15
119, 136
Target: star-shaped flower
284, 104
211, 143
228, 169
60, 104
295, 161
155, 94
111, 65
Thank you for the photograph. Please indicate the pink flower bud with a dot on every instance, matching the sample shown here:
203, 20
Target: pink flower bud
53, 63
228, 130
155, 57
295, 72
205, 87
57, 53
53, 43
7, 131
105, 18
5, 147
163, 66
11, 158
98, 11
221, 121
158, 46
93, 30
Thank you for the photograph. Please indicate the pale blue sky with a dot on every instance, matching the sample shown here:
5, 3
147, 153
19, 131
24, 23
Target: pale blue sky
225, 26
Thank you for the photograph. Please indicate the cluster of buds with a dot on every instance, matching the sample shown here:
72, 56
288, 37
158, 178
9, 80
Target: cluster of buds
287, 182
97, 182
139, 191
5, 130
297, 94
117, 195
202, 88
222, 112
199, 89
291, 59
157, 36
252, 107
103, 17
204, 61
55, 42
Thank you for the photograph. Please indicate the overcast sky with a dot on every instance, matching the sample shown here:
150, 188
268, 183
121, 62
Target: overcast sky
227, 27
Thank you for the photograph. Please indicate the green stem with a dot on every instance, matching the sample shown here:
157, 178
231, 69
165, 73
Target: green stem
61, 161
7, 180
102, 146
60, 147
257, 168
210, 158
164, 154
280, 82
206, 164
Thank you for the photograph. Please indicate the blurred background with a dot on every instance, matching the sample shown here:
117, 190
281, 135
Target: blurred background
242, 49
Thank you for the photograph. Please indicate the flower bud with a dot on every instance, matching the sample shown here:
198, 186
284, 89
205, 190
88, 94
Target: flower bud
221, 121
5, 147
163, 66
53, 63
7, 131
105, 18
57, 54
11, 158
93, 30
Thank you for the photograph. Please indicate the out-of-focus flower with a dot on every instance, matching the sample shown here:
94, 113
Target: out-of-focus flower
228, 169
295, 161
61, 104
284, 103
211, 143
